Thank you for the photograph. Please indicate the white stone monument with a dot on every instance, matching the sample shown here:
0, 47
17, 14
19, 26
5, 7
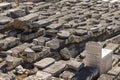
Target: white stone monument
98, 57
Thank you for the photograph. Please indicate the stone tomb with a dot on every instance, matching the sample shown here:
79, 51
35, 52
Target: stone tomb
75, 65
98, 57
12, 62
56, 68
44, 63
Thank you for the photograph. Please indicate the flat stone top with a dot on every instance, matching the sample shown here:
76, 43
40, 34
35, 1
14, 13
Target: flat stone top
55, 68
75, 64
28, 17
44, 62
112, 46
28, 3
114, 71
106, 77
8, 40
29, 50
13, 10
2, 36
42, 75
80, 31
112, 1
63, 34
54, 26
18, 49
12, 59
4, 4
4, 19
105, 52
42, 38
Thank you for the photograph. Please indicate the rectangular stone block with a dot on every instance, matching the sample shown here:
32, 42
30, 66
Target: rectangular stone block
9, 42
46, 62
75, 65
16, 51
56, 68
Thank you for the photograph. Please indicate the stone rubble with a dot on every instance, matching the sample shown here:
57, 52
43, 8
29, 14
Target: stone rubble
59, 39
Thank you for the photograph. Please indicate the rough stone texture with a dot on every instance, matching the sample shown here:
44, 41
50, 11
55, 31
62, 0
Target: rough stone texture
6, 77
105, 77
58, 29
67, 75
46, 62
40, 41
4, 20
75, 65
20, 70
63, 34
16, 51
42, 75
65, 53
9, 42
55, 43
114, 71
12, 62
56, 68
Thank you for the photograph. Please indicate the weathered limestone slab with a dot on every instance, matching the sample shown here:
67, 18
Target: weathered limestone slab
65, 53
44, 6
75, 65
55, 43
12, 62
30, 17
4, 20
80, 32
44, 22
63, 34
112, 46
44, 63
40, 75
9, 42
67, 75
51, 33
106, 77
2, 36
56, 68
16, 51
114, 71
40, 41
4, 76
4, 5
54, 26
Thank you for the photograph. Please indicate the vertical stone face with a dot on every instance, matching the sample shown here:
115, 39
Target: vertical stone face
12, 62
93, 48
65, 53
98, 57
